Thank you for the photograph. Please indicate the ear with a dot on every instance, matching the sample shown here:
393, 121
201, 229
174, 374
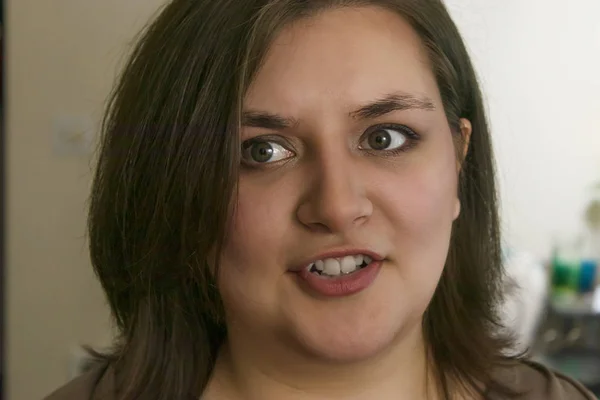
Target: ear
466, 128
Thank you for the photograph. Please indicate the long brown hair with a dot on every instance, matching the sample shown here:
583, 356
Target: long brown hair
165, 188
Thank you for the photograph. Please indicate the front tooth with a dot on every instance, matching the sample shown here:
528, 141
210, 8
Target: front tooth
348, 264
368, 260
319, 265
332, 267
358, 259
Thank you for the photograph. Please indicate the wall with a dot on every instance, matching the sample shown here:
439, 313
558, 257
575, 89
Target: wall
61, 59
537, 58
539, 63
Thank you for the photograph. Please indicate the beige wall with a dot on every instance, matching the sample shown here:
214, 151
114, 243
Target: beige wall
61, 59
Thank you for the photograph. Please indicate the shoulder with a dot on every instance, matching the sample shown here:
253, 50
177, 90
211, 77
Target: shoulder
535, 381
96, 384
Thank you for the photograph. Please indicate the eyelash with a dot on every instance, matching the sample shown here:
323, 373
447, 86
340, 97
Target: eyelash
412, 140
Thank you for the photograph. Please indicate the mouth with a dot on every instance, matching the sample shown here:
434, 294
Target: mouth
334, 267
340, 273
335, 264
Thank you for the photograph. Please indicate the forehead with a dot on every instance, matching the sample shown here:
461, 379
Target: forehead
343, 57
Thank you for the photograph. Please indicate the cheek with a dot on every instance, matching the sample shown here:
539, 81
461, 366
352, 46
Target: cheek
424, 197
421, 207
261, 216
253, 229
252, 255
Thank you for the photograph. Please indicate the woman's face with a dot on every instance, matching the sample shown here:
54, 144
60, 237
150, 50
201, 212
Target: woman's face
347, 151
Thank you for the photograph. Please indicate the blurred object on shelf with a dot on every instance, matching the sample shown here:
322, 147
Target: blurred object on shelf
574, 288
588, 272
593, 214
575, 263
584, 304
591, 266
572, 279
569, 336
593, 211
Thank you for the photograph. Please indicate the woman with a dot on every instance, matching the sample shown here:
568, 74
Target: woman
296, 200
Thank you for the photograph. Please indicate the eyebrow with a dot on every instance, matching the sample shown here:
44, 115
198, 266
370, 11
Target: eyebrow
393, 102
378, 108
265, 120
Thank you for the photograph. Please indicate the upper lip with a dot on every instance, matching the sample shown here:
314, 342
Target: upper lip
339, 253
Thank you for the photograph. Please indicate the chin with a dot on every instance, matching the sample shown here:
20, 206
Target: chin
358, 328
352, 336
349, 350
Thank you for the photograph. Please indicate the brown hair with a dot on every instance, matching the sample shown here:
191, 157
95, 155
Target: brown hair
166, 181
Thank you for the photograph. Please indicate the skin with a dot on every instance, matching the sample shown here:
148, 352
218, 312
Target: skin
327, 190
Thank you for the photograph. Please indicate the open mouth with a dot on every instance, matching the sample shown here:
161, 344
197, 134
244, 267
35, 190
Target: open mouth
340, 273
336, 267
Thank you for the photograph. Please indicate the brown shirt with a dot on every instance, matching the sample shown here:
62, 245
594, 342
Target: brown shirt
534, 380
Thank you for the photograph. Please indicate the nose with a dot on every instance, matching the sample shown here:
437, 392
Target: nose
336, 198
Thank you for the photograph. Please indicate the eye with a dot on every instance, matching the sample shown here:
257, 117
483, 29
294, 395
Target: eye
257, 151
383, 138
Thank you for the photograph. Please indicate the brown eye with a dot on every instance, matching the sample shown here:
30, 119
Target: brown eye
385, 139
264, 152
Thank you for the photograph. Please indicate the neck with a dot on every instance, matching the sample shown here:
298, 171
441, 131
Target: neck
250, 371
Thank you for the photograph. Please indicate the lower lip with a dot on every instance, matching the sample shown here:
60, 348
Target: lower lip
344, 285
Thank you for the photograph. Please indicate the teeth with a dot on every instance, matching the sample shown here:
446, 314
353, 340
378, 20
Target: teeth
348, 264
339, 266
332, 267
358, 259
320, 265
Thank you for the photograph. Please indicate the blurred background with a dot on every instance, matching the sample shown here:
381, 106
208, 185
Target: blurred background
538, 61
